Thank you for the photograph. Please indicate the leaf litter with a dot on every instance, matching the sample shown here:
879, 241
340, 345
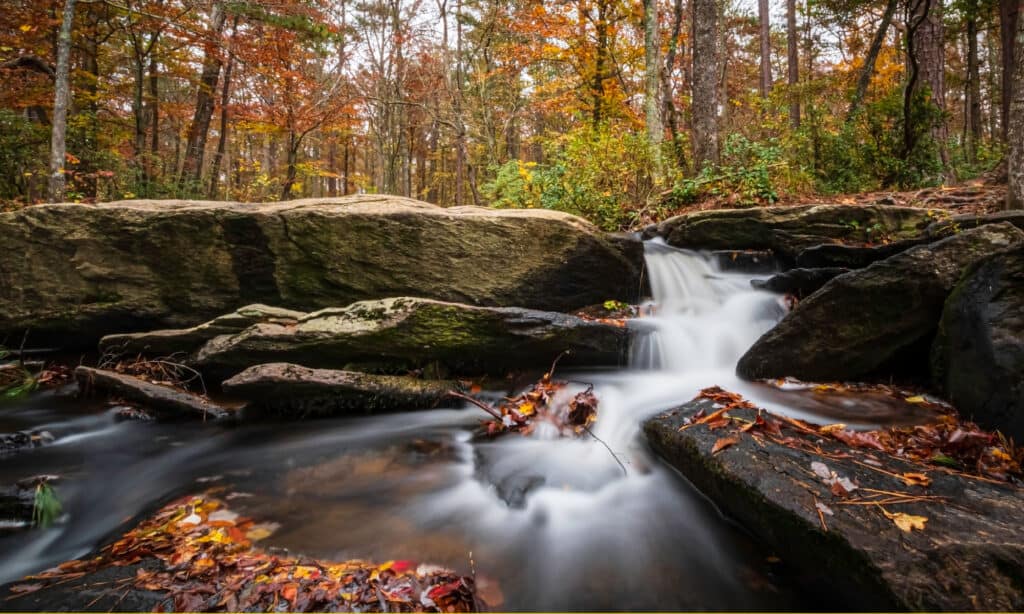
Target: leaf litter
209, 563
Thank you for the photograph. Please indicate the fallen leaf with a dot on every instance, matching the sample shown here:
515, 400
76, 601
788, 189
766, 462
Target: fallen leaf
824, 509
916, 399
916, 479
906, 522
724, 443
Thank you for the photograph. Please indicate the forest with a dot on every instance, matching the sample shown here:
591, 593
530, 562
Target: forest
620, 111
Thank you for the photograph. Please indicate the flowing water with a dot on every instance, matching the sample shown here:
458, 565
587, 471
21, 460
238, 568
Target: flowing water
544, 523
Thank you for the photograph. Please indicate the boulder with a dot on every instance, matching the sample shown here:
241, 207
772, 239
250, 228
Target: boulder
875, 321
969, 556
74, 272
789, 230
166, 403
410, 333
188, 340
293, 391
978, 355
798, 282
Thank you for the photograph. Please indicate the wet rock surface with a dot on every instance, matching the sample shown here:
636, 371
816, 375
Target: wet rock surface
293, 391
799, 282
401, 334
75, 272
969, 555
163, 402
978, 355
875, 321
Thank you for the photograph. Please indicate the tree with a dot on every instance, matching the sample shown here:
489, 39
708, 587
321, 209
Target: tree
61, 99
705, 83
1009, 15
764, 19
1015, 126
192, 168
652, 101
869, 62
792, 63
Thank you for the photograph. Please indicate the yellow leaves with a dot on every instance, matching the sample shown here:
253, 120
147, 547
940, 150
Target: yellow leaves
25, 27
916, 399
831, 428
916, 479
527, 409
906, 522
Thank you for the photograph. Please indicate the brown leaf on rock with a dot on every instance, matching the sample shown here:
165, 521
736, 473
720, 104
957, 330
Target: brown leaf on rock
724, 443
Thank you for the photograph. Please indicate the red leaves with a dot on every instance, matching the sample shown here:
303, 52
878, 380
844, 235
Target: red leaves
724, 443
210, 564
858, 439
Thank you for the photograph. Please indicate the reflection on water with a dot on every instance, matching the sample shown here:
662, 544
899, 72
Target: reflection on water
553, 521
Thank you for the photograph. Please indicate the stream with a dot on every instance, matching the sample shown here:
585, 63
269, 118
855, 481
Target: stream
544, 523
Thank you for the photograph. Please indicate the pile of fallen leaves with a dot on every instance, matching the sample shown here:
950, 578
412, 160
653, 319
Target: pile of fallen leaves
209, 564
613, 313
542, 403
946, 442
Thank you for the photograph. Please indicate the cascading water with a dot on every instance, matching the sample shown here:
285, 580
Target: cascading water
557, 523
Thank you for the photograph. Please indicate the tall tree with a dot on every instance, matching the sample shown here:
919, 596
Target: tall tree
1009, 15
61, 100
972, 89
792, 63
192, 168
864, 80
928, 54
764, 17
651, 80
705, 83
1015, 126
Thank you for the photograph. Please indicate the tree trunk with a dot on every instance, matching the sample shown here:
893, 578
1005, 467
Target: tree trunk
192, 168
291, 173
705, 83
671, 112
928, 42
651, 78
1009, 11
869, 63
972, 107
600, 63
225, 100
766, 47
1015, 127
792, 63
61, 100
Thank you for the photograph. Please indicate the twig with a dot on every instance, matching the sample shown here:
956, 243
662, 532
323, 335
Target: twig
484, 406
551, 371
614, 455
821, 516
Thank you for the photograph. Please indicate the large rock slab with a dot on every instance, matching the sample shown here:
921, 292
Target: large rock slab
873, 321
978, 356
188, 340
799, 282
410, 333
74, 272
165, 403
293, 391
789, 230
970, 555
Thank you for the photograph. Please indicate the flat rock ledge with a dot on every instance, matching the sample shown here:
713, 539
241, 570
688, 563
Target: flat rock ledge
969, 556
165, 403
402, 334
293, 391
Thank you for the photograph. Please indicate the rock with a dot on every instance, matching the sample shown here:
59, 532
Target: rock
164, 402
877, 321
75, 272
799, 282
410, 333
970, 555
293, 391
978, 355
188, 340
951, 225
21, 440
789, 230
746, 261
834, 255
16, 505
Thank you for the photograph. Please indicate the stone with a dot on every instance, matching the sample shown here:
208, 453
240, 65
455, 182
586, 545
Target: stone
293, 391
798, 282
74, 272
970, 555
978, 355
402, 334
164, 402
873, 322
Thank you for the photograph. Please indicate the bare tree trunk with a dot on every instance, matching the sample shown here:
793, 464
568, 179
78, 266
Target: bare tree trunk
705, 83
61, 100
225, 100
972, 106
766, 47
655, 131
929, 47
154, 113
792, 63
671, 112
1009, 15
192, 168
1015, 127
869, 63
600, 63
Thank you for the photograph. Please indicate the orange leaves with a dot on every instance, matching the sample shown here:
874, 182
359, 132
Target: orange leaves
724, 442
208, 563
